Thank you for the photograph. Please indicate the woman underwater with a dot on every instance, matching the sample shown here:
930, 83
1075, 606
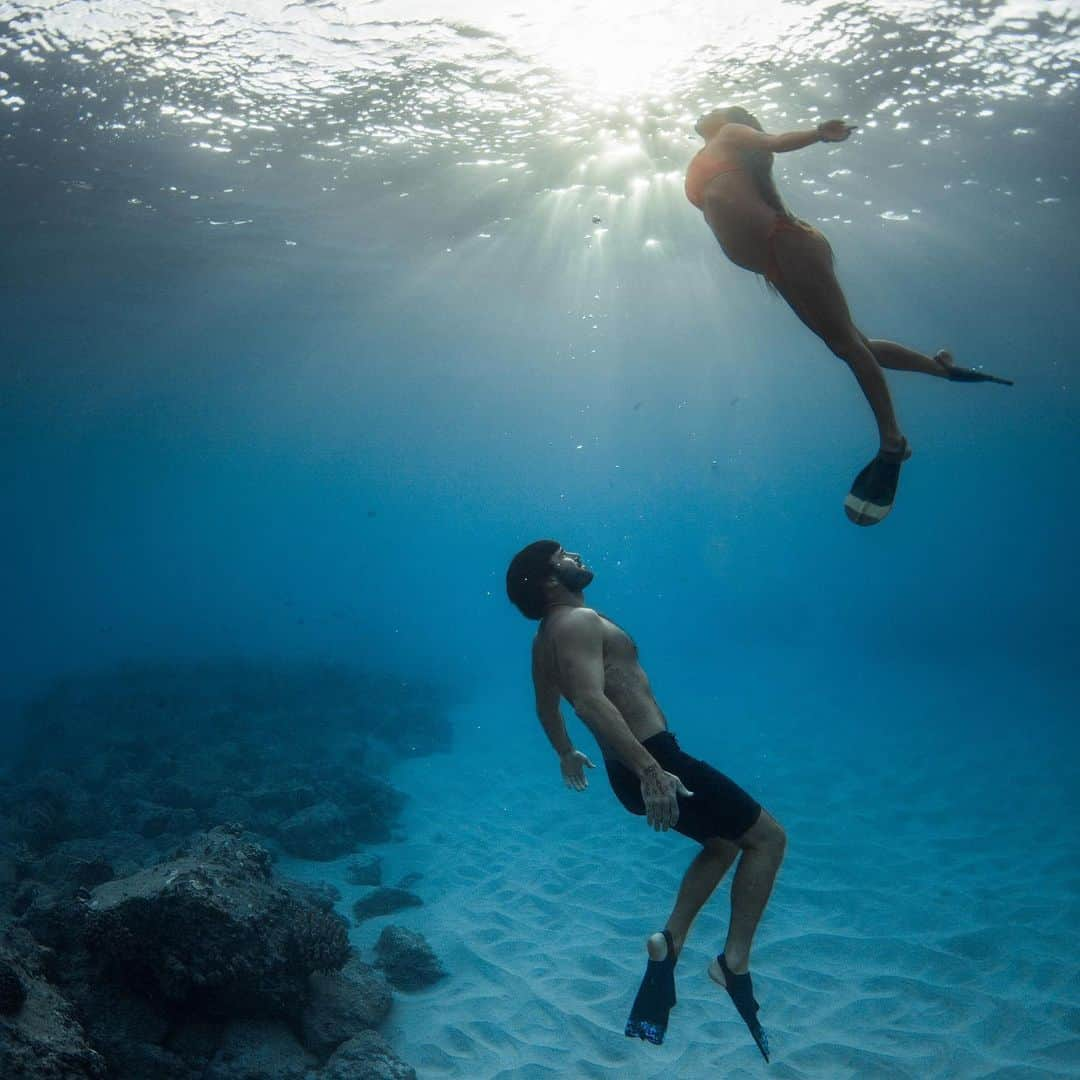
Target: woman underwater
730, 181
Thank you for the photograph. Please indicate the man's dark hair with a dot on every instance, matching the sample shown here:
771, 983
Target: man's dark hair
525, 577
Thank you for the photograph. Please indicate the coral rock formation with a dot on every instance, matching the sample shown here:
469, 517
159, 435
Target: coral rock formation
12, 991
364, 870
343, 1005
407, 959
384, 901
258, 1050
211, 928
41, 1039
367, 1057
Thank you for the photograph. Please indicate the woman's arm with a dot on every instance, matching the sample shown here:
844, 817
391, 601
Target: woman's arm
742, 137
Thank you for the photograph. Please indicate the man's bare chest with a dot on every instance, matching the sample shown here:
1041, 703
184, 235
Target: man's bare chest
619, 647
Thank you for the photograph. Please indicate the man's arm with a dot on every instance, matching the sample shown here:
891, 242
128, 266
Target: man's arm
572, 763
743, 137
547, 705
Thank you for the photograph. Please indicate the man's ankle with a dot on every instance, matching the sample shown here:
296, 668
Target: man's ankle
737, 960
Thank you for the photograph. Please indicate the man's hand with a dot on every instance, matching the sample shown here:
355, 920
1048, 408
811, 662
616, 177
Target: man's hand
659, 790
835, 130
573, 765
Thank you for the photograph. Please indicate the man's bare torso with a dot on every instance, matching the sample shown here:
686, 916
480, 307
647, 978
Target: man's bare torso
626, 685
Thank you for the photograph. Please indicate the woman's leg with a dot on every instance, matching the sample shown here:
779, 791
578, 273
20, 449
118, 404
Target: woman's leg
900, 358
807, 282
941, 364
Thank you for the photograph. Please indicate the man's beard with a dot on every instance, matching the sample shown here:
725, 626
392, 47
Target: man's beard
575, 578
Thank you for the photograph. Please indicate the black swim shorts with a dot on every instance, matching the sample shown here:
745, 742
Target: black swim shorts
719, 807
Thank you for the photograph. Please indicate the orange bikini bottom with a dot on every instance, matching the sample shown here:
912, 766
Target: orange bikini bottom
781, 223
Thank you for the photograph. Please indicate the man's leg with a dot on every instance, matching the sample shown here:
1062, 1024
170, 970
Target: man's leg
698, 884
762, 853
656, 997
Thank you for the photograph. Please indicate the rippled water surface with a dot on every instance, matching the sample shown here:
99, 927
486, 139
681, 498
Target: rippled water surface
601, 94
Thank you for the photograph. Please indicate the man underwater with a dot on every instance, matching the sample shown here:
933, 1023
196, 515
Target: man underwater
583, 656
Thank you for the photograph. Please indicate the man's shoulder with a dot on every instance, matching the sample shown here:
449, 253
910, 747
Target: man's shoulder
571, 623
571, 615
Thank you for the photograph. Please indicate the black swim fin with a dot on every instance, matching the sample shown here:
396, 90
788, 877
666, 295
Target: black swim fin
874, 489
963, 374
740, 989
655, 998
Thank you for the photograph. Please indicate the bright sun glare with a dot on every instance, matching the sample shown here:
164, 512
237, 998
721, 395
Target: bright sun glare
617, 49
610, 49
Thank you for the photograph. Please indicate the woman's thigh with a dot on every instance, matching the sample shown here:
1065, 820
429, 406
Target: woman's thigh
807, 281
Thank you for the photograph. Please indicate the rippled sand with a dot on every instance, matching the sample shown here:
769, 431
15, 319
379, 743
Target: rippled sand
907, 937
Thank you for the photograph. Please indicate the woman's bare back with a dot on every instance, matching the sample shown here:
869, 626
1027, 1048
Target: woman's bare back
740, 219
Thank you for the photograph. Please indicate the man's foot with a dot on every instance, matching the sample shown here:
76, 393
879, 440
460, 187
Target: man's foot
874, 489
958, 374
656, 995
657, 945
740, 989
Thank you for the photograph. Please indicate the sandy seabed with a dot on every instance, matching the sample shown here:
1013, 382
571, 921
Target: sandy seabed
914, 931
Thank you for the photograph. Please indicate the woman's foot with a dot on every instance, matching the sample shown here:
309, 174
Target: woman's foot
944, 360
871, 497
895, 450
949, 370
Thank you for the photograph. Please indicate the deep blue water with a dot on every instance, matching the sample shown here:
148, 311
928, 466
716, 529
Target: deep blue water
307, 328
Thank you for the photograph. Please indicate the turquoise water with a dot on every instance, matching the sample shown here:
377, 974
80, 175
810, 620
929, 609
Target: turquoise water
308, 326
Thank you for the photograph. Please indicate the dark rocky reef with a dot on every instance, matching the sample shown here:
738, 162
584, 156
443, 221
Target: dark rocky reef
210, 930
342, 1005
322, 831
384, 901
40, 1039
205, 965
258, 1050
116, 769
297, 753
365, 870
367, 1057
226, 701
407, 959
12, 990
156, 941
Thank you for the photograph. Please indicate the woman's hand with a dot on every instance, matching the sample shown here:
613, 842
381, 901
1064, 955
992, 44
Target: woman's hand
573, 765
835, 130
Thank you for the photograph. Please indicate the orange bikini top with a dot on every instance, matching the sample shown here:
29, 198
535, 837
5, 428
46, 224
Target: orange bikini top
703, 167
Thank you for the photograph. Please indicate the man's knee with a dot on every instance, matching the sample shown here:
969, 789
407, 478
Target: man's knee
720, 849
766, 834
780, 839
